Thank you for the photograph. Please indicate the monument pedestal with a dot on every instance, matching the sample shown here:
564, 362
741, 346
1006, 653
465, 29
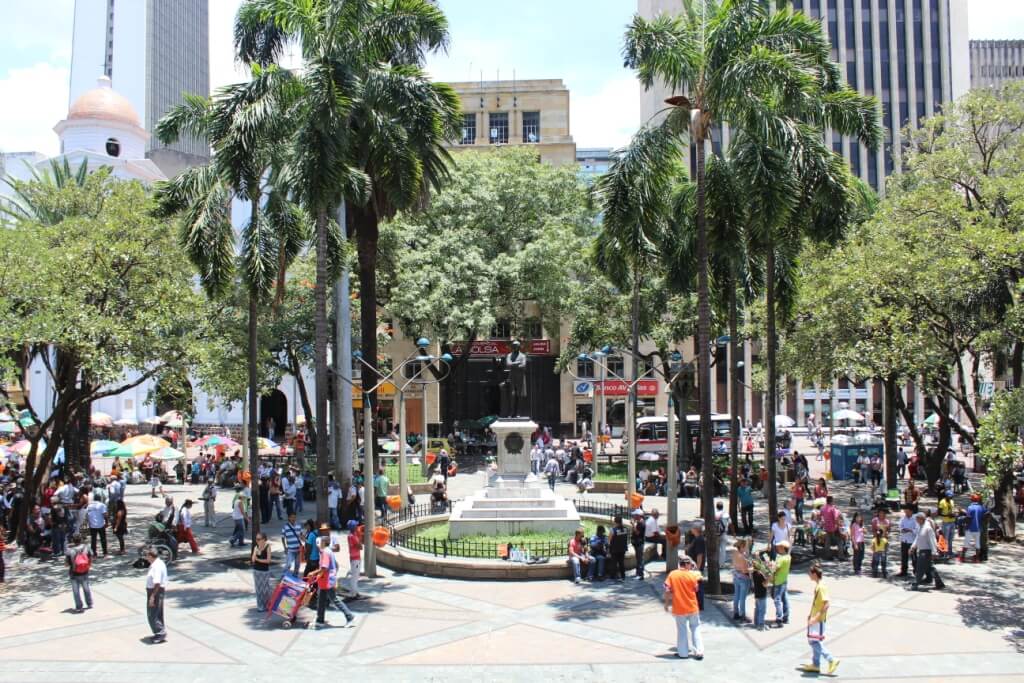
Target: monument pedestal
515, 500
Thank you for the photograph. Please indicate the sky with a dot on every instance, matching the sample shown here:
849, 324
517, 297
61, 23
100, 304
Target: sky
578, 41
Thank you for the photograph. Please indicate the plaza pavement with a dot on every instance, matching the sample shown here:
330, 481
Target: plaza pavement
424, 629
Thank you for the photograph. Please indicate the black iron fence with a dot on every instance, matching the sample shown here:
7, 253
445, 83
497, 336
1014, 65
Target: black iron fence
412, 538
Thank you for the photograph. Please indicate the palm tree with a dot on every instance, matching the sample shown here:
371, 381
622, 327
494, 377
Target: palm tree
245, 165
734, 62
635, 196
369, 130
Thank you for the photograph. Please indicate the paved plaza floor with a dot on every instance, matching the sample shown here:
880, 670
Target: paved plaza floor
413, 628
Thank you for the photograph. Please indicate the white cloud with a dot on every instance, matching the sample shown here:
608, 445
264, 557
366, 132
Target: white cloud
35, 99
607, 118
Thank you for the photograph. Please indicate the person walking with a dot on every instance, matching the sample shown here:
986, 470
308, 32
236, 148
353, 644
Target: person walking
120, 524
288, 490
209, 499
901, 463
326, 579
780, 583
261, 561
740, 580
156, 589
240, 517
79, 559
681, 597
552, 470
185, 527
355, 558
857, 540
618, 542
975, 524
816, 620
925, 546
947, 513
908, 534
636, 539
96, 517
312, 547
746, 499
274, 490
292, 540
380, 492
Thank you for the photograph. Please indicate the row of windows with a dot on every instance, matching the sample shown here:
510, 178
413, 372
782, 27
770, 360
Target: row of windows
1012, 71
498, 128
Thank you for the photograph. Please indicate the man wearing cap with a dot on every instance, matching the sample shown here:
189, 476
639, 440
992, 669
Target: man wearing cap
681, 597
975, 519
780, 582
926, 545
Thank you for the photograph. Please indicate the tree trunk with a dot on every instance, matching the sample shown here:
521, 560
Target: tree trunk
367, 234
1016, 363
734, 407
1005, 504
295, 368
634, 340
934, 458
254, 419
320, 364
704, 381
773, 383
891, 390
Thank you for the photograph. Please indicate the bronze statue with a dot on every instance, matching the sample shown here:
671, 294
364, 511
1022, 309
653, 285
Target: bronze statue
513, 389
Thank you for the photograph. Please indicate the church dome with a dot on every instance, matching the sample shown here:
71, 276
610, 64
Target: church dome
103, 103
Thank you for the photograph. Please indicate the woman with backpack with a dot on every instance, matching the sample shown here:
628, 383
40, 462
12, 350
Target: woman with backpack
79, 558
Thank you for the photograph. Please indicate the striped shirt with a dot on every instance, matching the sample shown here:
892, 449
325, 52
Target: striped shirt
292, 535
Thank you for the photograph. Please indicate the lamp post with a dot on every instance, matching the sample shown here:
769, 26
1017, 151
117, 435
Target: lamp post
369, 496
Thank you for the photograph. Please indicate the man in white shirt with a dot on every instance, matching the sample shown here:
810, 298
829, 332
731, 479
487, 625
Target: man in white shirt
156, 586
333, 496
96, 516
66, 494
115, 491
300, 484
652, 534
908, 534
288, 489
239, 515
926, 545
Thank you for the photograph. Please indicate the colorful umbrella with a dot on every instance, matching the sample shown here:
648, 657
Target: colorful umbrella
24, 446
103, 447
25, 419
216, 440
173, 419
138, 445
8, 427
932, 420
167, 454
101, 420
262, 442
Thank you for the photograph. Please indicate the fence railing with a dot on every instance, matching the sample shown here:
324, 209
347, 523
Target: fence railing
443, 547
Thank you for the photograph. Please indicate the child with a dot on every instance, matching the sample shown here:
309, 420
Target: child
879, 545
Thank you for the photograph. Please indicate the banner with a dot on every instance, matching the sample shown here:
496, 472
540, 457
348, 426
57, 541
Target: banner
618, 387
500, 347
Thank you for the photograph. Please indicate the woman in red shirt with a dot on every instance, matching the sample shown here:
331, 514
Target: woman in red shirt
799, 493
821, 489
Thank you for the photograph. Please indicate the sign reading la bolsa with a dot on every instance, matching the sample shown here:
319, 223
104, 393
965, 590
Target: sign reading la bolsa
499, 347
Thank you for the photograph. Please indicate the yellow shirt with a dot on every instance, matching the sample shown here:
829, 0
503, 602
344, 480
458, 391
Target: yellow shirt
818, 609
947, 511
878, 545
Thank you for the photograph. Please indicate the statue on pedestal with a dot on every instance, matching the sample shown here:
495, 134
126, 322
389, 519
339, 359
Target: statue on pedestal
513, 388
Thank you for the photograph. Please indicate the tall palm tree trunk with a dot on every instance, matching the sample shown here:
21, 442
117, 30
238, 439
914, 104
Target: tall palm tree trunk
704, 381
367, 233
773, 384
320, 364
734, 406
634, 338
891, 388
253, 408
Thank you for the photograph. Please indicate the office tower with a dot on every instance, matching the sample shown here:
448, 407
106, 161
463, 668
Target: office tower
994, 63
152, 51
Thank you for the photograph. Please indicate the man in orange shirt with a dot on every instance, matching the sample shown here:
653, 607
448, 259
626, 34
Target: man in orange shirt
681, 596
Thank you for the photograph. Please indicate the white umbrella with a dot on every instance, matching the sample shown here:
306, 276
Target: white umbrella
126, 422
847, 414
649, 457
99, 419
153, 420
784, 421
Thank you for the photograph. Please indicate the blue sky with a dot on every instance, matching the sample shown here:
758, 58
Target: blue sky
578, 41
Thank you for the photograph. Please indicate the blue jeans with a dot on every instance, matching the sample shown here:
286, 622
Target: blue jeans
816, 636
335, 522
551, 481
291, 562
79, 585
298, 500
949, 531
740, 590
780, 595
760, 610
238, 535
596, 566
688, 625
878, 560
799, 509
575, 563
275, 506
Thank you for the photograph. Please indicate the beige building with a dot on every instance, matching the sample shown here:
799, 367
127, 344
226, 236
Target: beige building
533, 112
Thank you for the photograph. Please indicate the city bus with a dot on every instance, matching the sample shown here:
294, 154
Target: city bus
652, 433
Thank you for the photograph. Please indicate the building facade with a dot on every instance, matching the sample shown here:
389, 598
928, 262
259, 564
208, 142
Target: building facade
913, 56
994, 63
531, 112
593, 162
152, 51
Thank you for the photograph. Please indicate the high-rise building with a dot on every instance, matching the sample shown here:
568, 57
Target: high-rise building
910, 54
531, 112
996, 62
153, 51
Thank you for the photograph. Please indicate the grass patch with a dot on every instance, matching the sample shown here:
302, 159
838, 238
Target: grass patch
548, 543
414, 474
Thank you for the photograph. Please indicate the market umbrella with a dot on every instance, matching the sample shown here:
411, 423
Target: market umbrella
25, 418
138, 445
23, 447
152, 420
649, 457
263, 442
173, 419
126, 422
784, 421
847, 414
99, 419
932, 420
103, 447
216, 440
8, 427
167, 454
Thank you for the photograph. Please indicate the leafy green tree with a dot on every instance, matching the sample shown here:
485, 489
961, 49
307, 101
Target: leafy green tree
1001, 449
501, 240
103, 295
368, 128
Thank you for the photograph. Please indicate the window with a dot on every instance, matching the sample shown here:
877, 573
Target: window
412, 369
498, 125
585, 368
616, 367
531, 126
534, 329
468, 129
501, 330
113, 147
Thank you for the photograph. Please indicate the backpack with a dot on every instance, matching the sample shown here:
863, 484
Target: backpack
81, 562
